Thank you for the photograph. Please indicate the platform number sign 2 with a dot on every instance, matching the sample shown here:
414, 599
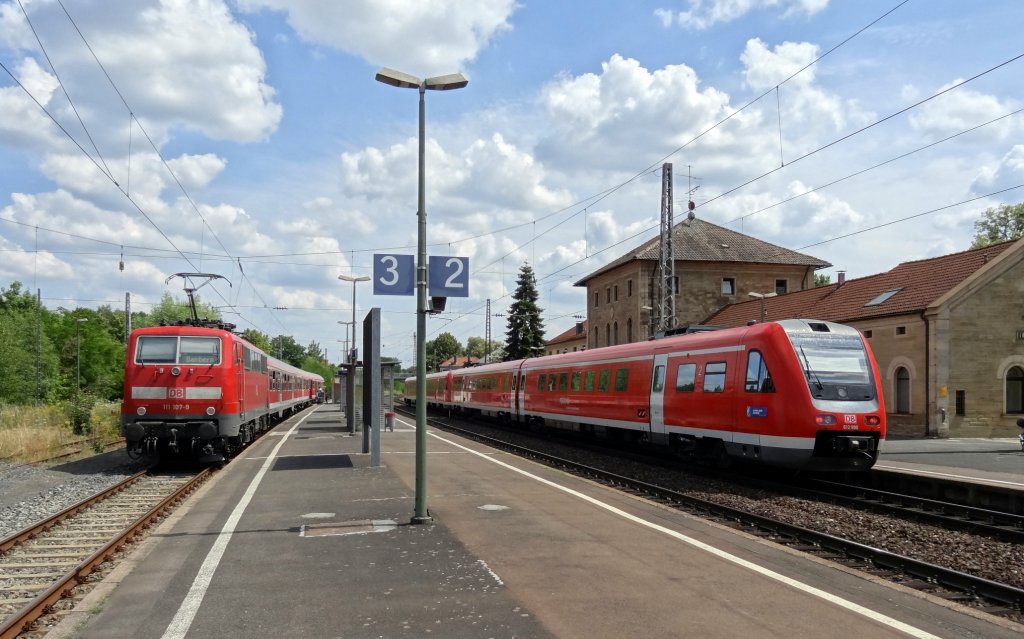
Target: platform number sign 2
394, 274
448, 276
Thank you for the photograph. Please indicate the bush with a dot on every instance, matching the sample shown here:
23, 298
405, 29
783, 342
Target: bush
79, 411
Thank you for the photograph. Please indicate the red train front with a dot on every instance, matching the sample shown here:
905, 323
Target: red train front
204, 392
796, 393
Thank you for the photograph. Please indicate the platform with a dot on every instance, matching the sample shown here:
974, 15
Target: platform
300, 538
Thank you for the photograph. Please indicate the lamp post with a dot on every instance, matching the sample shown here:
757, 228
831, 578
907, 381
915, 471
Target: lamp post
761, 297
437, 83
355, 279
344, 357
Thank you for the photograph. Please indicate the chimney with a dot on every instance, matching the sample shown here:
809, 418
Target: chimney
842, 277
579, 328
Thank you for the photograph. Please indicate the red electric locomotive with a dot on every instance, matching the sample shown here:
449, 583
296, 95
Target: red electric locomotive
201, 391
800, 394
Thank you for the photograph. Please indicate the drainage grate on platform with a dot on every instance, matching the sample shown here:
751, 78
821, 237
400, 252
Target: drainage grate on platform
357, 527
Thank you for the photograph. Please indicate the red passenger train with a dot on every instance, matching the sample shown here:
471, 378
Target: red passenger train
198, 390
801, 394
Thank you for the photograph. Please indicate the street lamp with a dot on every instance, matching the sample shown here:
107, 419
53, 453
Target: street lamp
78, 349
437, 83
761, 297
354, 279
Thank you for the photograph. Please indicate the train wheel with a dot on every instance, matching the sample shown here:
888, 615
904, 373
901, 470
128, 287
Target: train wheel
721, 457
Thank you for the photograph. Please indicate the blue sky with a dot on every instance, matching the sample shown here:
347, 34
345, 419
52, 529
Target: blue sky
295, 163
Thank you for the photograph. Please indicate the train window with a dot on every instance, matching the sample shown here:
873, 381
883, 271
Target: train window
714, 377
563, 381
759, 380
551, 381
199, 350
659, 379
685, 376
588, 381
621, 379
156, 350
577, 377
605, 380
505, 383
540, 381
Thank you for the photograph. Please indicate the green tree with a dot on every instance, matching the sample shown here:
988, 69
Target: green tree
821, 279
475, 347
525, 335
258, 339
442, 348
284, 347
170, 310
999, 224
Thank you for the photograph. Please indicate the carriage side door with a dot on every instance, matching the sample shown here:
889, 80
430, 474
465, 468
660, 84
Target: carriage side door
658, 393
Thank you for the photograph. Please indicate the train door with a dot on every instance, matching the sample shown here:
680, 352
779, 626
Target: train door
658, 393
240, 378
518, 395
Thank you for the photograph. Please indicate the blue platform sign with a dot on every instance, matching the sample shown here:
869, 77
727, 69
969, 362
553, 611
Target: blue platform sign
448, 276
394, 274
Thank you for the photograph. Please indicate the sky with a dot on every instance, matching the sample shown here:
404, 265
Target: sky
249, 139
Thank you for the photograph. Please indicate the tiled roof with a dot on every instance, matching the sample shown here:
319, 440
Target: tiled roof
569, 335
918, 285
699, 241
459, 362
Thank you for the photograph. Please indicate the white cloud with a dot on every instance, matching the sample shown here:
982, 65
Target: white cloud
1008, 172
703, 14
963, 108
423, 38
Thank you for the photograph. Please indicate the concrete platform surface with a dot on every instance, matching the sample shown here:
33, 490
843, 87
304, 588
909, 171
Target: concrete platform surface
300, 538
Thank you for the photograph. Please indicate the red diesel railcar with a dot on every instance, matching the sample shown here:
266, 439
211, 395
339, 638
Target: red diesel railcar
204, 392
801, 394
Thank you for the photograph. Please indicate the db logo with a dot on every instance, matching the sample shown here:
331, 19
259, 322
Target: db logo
849, 419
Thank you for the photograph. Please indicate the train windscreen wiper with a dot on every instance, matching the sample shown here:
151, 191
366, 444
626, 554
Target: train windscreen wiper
808, 370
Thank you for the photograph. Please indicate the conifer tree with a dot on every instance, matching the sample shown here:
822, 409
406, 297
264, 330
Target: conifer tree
525, 335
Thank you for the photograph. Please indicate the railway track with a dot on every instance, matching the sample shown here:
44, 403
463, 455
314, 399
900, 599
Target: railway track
42, 564
991, 596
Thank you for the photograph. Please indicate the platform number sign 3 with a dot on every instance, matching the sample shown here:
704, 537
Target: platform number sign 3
394, 274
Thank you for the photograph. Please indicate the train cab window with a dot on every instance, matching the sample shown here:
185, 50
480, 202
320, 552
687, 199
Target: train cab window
156, 350
685, 376
621, 379
658, 385
714, 377
577, 379
199, 350
563, 381
605, 380
588, 382
759, 380
541, 381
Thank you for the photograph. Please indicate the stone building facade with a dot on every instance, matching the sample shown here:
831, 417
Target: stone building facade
714, 267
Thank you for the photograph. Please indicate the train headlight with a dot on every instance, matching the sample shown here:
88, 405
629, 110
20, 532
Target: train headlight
825, 420
175, 371
872, 420
140, 411
210, 411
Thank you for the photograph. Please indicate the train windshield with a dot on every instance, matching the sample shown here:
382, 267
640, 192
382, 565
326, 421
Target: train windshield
832, 359
154, 349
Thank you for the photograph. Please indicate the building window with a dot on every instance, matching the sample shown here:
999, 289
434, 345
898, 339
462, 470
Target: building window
597, 299
781, 287
675, 284
608, 295
616, 292
629, 331
629, 288
901, 330
868, 333
607, 334
615, 333
1015, 390
961, 403
728, 286
903, 390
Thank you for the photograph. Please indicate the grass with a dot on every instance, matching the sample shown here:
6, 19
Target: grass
32, 433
